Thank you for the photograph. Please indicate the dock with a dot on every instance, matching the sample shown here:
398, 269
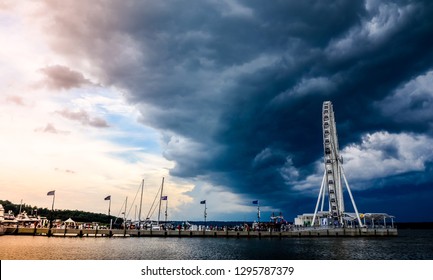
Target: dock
304, 232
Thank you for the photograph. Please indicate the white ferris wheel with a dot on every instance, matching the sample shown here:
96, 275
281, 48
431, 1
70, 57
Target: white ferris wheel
332, 185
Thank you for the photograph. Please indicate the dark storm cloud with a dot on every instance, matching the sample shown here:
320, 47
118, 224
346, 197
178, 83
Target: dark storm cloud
236, 88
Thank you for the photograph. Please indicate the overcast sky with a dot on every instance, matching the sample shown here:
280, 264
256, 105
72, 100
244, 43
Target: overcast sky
221, 98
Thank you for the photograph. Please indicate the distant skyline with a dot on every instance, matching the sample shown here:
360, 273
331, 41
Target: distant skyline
221, 98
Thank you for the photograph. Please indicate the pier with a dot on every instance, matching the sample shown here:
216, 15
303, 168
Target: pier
304, 232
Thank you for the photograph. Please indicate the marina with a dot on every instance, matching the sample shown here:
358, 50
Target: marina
336, 221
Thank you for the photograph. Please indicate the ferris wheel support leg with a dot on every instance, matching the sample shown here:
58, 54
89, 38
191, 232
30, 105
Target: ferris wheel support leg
351, 197
318, 199
323, 193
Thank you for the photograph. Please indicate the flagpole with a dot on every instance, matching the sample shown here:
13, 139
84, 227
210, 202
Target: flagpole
109, 210
109, 207
205, 214
160, 198
258, 212
52, 210
166, 207
52, 206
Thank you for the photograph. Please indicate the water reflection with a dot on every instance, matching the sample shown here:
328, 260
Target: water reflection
415, 244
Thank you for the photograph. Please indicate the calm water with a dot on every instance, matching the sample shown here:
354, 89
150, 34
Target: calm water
410, 244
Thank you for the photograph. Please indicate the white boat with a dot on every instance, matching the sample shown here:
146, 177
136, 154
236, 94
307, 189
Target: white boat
2, 214
10, 222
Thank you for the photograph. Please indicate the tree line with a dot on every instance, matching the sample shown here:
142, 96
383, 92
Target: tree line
76, 215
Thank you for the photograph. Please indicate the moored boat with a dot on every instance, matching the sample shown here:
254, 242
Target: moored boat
2, 213
10, 223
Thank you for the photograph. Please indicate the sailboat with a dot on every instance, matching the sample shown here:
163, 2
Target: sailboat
147, 223
156, 225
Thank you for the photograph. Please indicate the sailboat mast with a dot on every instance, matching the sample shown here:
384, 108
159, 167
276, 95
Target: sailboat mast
160, 198
141, 203
21, 204
124, 213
